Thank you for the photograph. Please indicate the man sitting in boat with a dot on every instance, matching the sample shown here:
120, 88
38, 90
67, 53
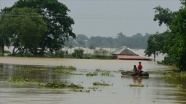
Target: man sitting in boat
140, 68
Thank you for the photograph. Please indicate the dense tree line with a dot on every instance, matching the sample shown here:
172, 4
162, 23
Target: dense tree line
137, 41
173, 41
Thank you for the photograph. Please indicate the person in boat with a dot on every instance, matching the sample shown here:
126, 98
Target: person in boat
139, 68
135, 70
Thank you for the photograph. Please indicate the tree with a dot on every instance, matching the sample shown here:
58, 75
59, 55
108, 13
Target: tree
78, 53
178, 27
25, 27
58, 22
174, 40
100, 52
137, 41
4, 41
81, 40
122, 40
163, 15
154, 43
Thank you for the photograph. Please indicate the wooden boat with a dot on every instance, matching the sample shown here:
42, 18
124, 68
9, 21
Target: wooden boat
130, 73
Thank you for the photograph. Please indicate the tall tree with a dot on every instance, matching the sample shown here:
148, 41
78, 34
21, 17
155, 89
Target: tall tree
25, 28
174, 40
178, 28
154, 44
58, 22
82, 40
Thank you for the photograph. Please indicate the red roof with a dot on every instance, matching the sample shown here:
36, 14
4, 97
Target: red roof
125, 57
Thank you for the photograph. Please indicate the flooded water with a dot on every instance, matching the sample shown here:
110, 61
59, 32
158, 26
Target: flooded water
156, 90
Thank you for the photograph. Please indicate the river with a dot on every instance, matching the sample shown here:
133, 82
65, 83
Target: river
157, 89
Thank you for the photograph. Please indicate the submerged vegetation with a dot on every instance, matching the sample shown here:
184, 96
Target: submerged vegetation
101, 84
56, 84
136, 85
66, 68
171, 73
99, 72
17, 79
34, 75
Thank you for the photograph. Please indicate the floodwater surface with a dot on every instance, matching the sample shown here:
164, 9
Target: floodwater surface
156, 89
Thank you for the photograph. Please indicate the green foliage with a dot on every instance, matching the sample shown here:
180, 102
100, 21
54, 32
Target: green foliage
99, 72
81, 40
4, 41
92, 73
7, 52
70, 46
172, 74
55, 84
154, 44
163, 15
78, 53
68, 56
74, 86
167, 61
59, 54
178, 27
100, 51
101, 56
173, 42
136, 85
105, 73
17, 79
92, 47
56, 19
65, 68
25, 28
49, 54
101, 84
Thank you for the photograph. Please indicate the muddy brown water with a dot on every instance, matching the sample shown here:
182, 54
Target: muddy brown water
156, 90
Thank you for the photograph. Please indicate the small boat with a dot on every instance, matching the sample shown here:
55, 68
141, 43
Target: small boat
130, 73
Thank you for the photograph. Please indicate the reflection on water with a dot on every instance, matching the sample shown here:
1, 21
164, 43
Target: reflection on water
156, 90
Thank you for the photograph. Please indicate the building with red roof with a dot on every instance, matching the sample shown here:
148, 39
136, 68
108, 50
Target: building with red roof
125, 53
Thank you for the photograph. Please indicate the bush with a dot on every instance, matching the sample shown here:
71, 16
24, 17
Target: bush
167, 61
49, 54
68, 56
92, 47
59, 54
102, 56
78, 53
101, 52
7, 52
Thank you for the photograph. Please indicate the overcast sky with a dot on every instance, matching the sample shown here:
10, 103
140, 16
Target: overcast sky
107, 18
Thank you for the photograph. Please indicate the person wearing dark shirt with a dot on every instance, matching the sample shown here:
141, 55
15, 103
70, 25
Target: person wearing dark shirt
135, 70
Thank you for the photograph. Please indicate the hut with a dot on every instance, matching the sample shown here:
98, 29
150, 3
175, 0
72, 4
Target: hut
125, 53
